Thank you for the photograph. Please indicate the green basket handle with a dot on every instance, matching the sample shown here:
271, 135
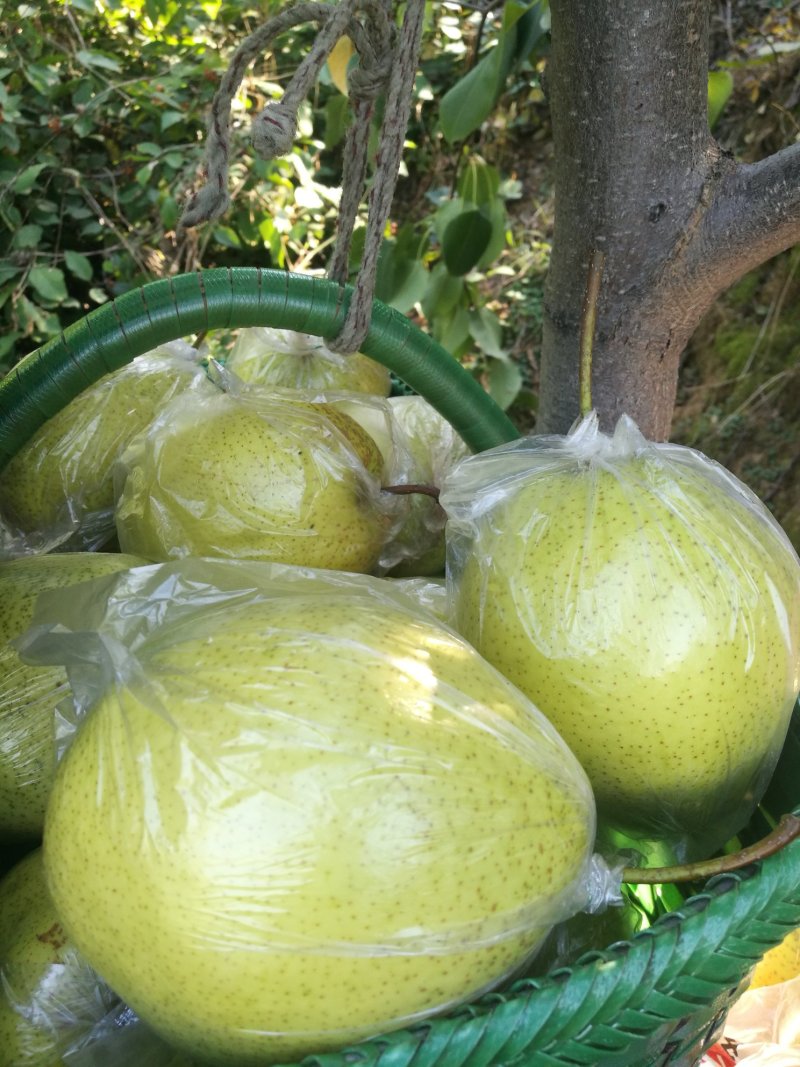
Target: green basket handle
112, 335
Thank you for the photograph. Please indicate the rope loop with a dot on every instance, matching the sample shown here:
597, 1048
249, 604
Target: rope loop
387, 64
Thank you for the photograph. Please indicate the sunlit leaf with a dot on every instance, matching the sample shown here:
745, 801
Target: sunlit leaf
720, 87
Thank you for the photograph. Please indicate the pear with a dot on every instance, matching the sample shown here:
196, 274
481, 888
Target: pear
61, 481
779, 964
49, 996
327, 817
648, 603
254, 478
289, 360
29, 694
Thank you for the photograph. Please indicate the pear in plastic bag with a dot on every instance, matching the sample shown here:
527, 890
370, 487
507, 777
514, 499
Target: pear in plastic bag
649, 604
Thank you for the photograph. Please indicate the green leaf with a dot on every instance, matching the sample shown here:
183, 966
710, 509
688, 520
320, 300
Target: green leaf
498, 217
478, 182
7, 342
452, 331
337, 116
43, 79
720, 87
169, 118
169, 212
487, 330
505, 382
7, 272
49, 283
402, 279
471, 100
443, 293
465, 241
97, 59
27, 178
80, 266
99, 296
465, 106
28, 236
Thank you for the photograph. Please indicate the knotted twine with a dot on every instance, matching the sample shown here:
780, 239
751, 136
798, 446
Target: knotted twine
387, 62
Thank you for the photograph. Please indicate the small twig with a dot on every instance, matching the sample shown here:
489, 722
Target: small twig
407, 490
588, 323
787, 830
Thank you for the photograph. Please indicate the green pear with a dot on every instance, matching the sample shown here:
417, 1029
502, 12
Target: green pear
63, 476
49, 996
649, 605
310, 818
265, 479
288, 360
28, 694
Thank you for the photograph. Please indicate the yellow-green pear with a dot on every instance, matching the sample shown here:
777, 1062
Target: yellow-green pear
648, 603
62, 479
28, 694
265, 479
49, 996
289, 360
308, 819
779, 964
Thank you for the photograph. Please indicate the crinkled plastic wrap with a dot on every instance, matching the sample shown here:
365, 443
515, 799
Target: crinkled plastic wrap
429, 448
246, 474
49, 996
121, 1039
57, 492
289, 360
649, 604
764, 1025
314, 813
30, 695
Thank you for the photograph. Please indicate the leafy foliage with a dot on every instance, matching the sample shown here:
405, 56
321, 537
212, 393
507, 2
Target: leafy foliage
103, 109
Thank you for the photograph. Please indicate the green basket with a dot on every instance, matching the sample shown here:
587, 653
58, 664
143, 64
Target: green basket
658, 999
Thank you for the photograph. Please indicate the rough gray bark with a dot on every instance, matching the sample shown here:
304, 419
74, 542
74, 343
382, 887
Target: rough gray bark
639, 176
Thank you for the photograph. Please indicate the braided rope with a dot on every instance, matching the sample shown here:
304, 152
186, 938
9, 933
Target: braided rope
273, 131
274, 128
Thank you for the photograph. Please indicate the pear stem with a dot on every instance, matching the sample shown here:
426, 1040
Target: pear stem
407, 489
588, 323
787, 830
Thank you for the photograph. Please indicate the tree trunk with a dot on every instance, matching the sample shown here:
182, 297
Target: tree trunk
639, 177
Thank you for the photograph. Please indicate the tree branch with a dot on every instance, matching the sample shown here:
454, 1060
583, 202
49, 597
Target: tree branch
754, 215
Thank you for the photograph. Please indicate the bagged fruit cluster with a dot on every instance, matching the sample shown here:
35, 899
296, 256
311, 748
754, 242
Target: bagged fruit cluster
300, 810
649, 604
58, 491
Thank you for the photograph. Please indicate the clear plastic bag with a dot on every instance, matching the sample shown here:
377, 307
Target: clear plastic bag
649, 604
243, 473
49, 996
315, 812
57, 492
288, 360
763, 1026
30, 695
429, 448
121, 1039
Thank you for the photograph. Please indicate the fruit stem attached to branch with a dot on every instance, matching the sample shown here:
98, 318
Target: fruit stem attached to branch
787, 830
588, 322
